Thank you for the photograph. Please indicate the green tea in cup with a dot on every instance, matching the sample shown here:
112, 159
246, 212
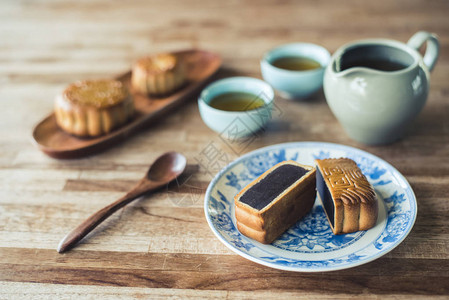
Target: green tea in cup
237, 101
296, 63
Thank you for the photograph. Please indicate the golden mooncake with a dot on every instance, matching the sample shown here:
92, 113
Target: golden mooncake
348, 198
93, 107
158, 75
275, 201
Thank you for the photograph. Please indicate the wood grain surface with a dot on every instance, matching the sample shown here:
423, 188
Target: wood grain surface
161, 246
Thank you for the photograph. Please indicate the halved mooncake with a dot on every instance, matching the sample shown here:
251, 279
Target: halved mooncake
158, 75
93, 107
348, 198
275, 201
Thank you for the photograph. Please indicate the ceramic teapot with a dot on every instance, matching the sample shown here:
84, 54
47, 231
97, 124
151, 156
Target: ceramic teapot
376, 87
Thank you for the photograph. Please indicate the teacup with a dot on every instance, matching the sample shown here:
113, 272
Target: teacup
295, 83
376, 87
236, 124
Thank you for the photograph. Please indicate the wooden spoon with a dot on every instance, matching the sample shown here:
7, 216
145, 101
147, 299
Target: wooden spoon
164, 169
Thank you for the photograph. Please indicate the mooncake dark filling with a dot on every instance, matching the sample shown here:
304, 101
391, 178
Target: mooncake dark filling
265, 191
325, 196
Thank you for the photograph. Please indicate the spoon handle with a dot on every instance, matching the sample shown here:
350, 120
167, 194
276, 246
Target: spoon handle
73, 237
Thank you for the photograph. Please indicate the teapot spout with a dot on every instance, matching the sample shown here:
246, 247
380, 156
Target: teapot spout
338, 71
350, 72
345, 66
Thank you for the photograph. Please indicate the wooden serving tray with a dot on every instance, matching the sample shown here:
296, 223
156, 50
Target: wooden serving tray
53, 141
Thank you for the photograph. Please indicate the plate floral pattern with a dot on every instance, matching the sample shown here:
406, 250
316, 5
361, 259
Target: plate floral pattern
310, 245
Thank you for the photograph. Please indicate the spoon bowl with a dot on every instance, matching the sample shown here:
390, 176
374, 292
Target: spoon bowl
165, 168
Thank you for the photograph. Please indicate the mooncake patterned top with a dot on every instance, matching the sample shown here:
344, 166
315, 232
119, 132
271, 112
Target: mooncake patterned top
97, 93
345, 181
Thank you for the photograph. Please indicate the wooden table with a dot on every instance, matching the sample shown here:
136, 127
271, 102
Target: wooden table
161, 246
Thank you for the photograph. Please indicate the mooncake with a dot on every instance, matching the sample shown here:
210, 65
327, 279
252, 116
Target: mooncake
275, 201
93, 107
348, 198
158, 75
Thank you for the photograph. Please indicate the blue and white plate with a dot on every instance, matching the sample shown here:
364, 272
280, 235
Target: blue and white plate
310, 245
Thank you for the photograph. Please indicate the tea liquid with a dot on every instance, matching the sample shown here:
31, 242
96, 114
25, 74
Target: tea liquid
237, 101
296, 63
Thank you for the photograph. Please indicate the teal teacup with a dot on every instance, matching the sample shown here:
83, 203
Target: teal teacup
294, 81
236, 124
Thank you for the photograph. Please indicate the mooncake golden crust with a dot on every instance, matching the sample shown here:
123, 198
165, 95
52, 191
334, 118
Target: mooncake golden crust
354, 199
93, 107
158, 75
267, 224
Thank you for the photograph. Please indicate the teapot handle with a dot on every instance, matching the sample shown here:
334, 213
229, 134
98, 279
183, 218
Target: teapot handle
432, 50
